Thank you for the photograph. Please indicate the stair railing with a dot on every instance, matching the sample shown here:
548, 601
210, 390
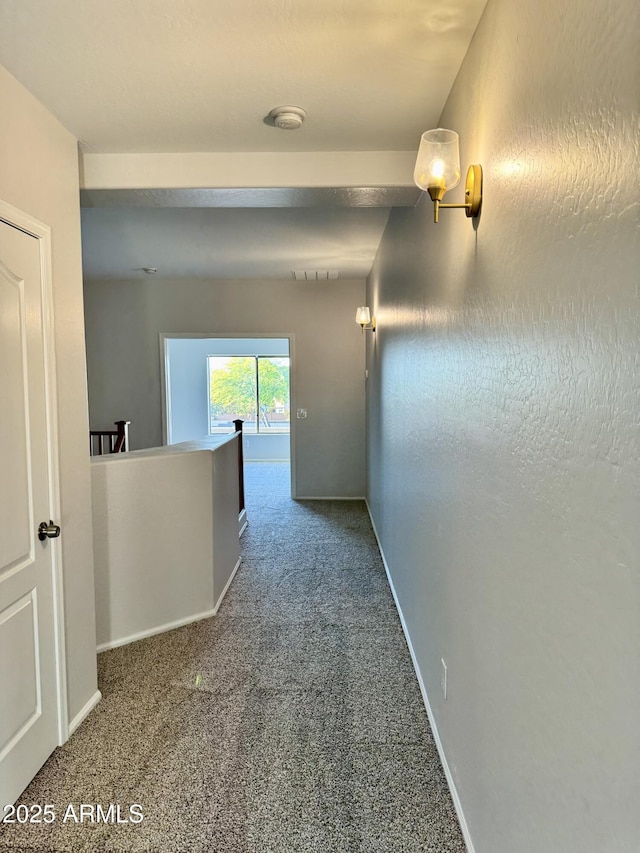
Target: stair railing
238, 425
109, 440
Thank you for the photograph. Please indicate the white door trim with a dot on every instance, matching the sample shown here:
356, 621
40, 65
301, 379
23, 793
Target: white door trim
19, 219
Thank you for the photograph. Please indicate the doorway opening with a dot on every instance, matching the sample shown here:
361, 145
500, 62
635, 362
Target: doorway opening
210, 381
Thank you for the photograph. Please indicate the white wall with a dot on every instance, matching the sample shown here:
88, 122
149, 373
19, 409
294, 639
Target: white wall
123, 323
186, 388
151, 577
503, 418
39, 175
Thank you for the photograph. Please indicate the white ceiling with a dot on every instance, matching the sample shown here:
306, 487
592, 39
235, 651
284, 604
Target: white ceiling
201, 75
149, 76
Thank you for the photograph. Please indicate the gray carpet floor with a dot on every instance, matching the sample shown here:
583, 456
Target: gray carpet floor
291, 722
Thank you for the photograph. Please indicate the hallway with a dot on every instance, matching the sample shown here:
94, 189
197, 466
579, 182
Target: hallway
290, 722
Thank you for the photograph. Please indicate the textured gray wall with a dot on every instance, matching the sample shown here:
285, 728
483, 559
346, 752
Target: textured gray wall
123, 323
503, 419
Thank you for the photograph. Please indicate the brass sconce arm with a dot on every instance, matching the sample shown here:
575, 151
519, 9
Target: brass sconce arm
472, 194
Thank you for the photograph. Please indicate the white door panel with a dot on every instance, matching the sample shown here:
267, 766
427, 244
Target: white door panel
28, 698
15, 539
18, 632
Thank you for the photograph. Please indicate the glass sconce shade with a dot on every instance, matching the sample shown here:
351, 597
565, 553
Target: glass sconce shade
363, 316
438, 161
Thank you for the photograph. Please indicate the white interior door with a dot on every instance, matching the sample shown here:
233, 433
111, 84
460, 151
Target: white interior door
28, 689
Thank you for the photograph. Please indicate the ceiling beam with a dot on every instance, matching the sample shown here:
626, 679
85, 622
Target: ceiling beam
248, 170
255, 197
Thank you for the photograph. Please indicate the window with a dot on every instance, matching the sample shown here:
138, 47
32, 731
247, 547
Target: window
253, 388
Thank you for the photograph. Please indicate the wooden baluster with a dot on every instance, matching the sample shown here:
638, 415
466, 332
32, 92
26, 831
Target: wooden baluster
121, 443
238, 426
117, 440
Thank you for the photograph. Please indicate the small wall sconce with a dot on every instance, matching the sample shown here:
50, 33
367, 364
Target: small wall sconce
438, 170
363, 317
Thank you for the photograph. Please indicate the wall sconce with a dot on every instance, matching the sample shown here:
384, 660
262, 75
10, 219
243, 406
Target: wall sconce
438, 170
363, 317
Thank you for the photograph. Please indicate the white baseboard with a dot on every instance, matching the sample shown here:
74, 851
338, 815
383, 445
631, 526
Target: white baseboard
169, 626
84, 712
226, 586
436, 735
151, 632
327, 498
242, 522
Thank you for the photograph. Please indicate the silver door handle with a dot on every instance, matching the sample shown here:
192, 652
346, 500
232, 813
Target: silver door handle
48, 531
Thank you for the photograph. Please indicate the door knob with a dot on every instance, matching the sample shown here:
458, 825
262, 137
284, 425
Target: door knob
48, 531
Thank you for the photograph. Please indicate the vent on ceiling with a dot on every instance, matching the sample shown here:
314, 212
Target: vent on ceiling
314, 275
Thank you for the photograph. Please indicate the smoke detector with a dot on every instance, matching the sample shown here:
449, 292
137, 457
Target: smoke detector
288, 118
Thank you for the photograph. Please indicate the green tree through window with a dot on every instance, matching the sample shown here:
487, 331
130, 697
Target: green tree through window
273, 388
233, 387
255, 389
